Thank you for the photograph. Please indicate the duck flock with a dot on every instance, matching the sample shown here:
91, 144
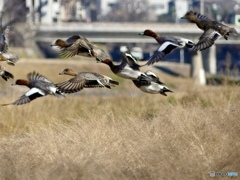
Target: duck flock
129, 68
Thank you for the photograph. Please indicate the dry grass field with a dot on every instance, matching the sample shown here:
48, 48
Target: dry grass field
120, 133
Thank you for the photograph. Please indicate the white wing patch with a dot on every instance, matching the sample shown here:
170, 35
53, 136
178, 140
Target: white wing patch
165, 45
33, 91
53, 89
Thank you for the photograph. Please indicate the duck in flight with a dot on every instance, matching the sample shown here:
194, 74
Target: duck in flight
167, 45
84, 80
79, 45
39, 86
213, 30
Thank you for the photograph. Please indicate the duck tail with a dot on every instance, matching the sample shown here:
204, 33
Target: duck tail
186, 42
107, 86
233, 31
114, 82
190, 44
164, 90
59, 93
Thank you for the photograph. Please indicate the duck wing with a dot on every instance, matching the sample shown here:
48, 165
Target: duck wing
32, 94
99, 54
77, 45
9, 58
132, 61
7, 75
153, 77
206, 40
82, 80
71, 40
203, 17
34, 76
93, 80
72, 85
141, 82
39, 81
162, 51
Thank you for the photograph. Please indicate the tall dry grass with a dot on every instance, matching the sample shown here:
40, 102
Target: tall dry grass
120, 133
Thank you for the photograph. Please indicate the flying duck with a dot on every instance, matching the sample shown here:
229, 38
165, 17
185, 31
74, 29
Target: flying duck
213, 30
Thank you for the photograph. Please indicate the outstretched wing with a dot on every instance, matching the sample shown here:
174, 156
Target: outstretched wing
7, 75
32, 76
132, 61
163, 50
153, 77
202, 17
28, 97
206, 40
72, 85
84, 80
77, 45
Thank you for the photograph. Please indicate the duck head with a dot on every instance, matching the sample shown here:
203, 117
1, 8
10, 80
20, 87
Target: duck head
21, 82
68, 71
149, 32
60, 43
190, 15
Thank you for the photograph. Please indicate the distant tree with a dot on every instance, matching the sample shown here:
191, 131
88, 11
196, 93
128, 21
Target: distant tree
14, 11
220, 10
128, 11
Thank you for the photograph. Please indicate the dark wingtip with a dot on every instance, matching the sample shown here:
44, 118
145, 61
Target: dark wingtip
11, 63
163, 93
149, 63
6, 104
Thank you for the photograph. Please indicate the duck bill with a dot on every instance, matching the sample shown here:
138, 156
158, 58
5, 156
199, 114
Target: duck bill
183, 17
141, 34
61, 73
